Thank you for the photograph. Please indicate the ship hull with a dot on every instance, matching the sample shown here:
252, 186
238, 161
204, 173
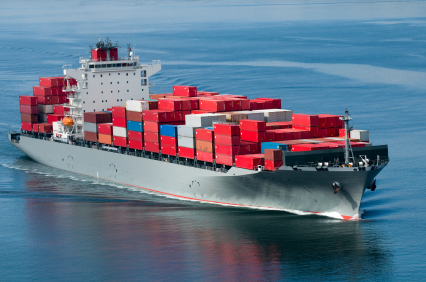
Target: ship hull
306, 190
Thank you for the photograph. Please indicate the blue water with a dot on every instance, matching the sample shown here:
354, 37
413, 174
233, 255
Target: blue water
318, 57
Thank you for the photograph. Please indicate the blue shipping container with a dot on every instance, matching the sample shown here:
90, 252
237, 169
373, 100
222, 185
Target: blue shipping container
168, 130
134, 126
273, 145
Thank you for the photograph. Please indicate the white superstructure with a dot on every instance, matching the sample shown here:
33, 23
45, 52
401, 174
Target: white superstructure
104, 82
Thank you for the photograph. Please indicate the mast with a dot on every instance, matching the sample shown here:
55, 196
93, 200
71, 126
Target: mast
346, 119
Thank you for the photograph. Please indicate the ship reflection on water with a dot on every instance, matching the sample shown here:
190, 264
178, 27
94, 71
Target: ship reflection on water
94, 230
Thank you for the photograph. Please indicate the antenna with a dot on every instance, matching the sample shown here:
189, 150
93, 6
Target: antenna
346, 119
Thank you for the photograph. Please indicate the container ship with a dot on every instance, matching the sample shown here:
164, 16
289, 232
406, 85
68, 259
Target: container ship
102, 120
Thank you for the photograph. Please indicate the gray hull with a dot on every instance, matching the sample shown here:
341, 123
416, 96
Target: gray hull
306, 190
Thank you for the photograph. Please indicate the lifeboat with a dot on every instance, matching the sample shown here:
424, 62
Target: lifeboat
67, 121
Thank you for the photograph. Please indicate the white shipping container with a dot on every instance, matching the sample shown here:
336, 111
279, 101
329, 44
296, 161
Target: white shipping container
361, 135
137, 106
90, 127
204, 120
187, 131
276, 115
47, 109
187, 142
119, 131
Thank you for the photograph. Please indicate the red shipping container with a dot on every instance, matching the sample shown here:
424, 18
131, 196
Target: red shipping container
266, 104
195, 112
97, 117
245, 104
270, 136
179, 116
331, 120
119, 121
342, 132
281, 124
331, 132
151, 136
273, 165
236, 104
46, 128
120, 141
307, 147
44, 100
323, 133
249, 161
253, 136
227, 150
186, 104
158, 116
59, 109
188, 153
212, 105
204, 156
152, 146
276, 103
227, 140
28, 100
170, 104
135, 144
49, 81
306, 120
225, 159
227, 129
35, 127
253, 105
339, 123
322, 122
153, 105
170, 141
27, 109
228, 105
91, 136
169, 150
57, 91
187, 91
204, 134
105, 128
29, 118
26, 126
302, 134
55, 99
252, 125
119, 111
135, 135
152, 126
282, 135
247, 148
54, 117
272, 127
333, 145
273, 154
134, 116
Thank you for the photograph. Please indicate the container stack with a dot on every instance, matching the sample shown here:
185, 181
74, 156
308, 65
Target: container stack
186, 141
310, 123
152, 121
105, 133
273, 159
91, 124
135, 129
28, 107
253, 131
228, 143
119, 123
186, 91
205, 146
168, 139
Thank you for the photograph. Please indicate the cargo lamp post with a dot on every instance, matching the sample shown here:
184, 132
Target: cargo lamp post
346, 119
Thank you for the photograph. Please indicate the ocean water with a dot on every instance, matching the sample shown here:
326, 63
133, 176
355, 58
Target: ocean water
318, 57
